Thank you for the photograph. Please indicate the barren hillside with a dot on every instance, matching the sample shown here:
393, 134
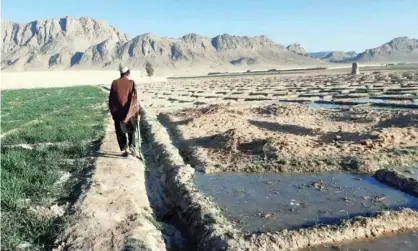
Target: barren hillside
319, 54
401, 49
53, 43
398, 50
67, 42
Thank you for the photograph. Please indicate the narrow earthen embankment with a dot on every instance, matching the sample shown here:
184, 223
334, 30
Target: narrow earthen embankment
356, 229
113, 212
204, 221
398, 180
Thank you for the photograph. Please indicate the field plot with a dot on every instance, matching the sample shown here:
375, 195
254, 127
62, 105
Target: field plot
377, 88
317, 164
290, 162
295, 138
47, 137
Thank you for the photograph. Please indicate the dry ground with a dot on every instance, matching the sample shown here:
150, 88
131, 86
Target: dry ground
296, 138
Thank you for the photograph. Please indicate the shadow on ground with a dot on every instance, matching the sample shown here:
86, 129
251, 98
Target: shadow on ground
283, 128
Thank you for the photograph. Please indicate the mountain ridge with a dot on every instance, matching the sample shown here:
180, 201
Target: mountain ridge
329, 55
68, 42
62, 43
393, 51
399, 49
339, 56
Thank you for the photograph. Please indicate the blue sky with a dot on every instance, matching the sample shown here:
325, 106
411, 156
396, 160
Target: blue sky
316, 24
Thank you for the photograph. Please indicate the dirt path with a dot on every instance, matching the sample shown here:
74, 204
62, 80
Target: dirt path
113, 212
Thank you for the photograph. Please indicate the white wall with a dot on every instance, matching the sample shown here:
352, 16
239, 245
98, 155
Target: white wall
23, 80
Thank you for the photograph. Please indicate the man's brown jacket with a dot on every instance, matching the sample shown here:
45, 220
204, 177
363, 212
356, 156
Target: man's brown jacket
123, 100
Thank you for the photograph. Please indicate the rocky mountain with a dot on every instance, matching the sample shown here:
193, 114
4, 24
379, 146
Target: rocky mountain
296, 48
64, 43
333, 56
401, 49
319, 54
58, 42
339, 56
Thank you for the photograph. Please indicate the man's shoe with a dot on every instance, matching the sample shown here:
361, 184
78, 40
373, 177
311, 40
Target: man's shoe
125, 151
133, 151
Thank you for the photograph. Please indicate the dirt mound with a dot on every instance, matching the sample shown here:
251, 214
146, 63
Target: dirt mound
191, 113
228, 140
286, 110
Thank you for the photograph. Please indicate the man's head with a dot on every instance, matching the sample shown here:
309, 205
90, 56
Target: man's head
124, 71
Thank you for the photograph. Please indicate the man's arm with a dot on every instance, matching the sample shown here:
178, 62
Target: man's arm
134, 89
111, 97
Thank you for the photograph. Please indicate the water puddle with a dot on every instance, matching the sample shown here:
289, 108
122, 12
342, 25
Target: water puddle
388, 106
273, 202
327, 106
404, 242
370, 100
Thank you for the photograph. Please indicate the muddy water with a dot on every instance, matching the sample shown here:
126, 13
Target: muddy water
329, 106
404, 242
273, 202
339, 106
370, 100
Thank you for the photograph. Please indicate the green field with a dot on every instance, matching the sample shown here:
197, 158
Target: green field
59, 128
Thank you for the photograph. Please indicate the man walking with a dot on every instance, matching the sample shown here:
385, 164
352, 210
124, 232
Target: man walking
123, 105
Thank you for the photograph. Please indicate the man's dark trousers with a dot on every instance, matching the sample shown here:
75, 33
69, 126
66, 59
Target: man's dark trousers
121, 135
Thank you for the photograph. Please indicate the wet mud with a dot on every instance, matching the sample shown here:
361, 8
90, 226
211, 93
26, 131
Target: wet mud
405, 179
264, 203
404, 242
345, 233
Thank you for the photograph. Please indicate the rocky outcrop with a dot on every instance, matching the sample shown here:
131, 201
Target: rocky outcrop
244, 61
297, 48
